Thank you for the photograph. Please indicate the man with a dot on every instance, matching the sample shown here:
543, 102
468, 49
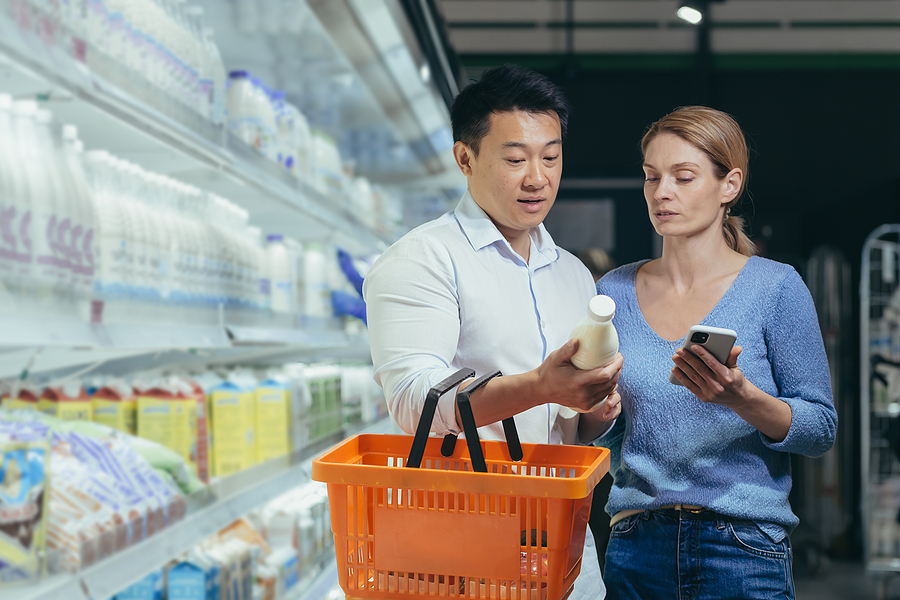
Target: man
485, 287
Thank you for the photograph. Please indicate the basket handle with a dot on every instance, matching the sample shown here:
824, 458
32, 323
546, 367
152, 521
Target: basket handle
472, 441
418, 446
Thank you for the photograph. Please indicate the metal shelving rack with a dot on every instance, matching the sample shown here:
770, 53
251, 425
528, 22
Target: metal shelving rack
880, 402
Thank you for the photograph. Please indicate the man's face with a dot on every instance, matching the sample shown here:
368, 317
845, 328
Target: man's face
515, 176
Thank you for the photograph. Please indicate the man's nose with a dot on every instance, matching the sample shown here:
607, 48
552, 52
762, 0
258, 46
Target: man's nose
535, 176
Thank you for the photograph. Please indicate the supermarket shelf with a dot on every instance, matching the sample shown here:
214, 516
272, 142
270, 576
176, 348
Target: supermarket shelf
145, 126
54, 348
319, 586
209, 511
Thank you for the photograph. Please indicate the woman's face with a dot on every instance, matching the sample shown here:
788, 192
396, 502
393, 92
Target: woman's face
684, 196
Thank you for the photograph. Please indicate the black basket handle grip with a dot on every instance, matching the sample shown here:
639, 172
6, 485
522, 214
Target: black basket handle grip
431, 400
468, 419
509, 425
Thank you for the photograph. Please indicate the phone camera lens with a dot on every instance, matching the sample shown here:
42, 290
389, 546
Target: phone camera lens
699, 337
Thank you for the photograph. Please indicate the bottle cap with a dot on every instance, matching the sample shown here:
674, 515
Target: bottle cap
238, 74
274, 237
601, 308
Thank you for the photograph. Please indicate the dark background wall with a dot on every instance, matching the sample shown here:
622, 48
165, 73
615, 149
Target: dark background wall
825, 162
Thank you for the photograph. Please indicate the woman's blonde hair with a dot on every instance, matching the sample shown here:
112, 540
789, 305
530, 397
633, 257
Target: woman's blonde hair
718, 136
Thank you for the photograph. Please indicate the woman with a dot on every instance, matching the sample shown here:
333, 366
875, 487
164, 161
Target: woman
702, 475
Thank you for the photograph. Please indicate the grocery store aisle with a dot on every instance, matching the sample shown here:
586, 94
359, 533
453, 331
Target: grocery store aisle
841, 581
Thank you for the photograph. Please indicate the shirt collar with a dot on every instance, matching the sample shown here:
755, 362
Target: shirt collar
481, 231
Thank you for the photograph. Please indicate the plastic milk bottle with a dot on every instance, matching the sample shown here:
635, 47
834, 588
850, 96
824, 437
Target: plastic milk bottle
598, 341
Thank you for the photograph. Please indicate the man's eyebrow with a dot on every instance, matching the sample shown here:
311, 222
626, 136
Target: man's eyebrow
523, 145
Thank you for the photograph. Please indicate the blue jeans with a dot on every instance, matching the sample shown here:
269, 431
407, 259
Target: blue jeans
667, 554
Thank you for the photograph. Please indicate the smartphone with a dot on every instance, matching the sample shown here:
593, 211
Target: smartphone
715, 340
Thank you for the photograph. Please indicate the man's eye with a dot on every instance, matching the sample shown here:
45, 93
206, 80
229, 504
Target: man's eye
515, 161
651, 179
685, 179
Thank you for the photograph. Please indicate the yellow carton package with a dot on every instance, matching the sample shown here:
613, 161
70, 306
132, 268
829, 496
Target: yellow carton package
155, 417
273, 404
227, 413
115, 406
23, 511
25, 398
69, 403
248, 430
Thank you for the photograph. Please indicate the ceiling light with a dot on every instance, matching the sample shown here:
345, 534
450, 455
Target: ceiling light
689, 14
425, 73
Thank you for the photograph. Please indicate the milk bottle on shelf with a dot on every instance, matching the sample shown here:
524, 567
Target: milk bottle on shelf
242, 120
282, 277
44, 273
13, 194
598, 341
82, 229
219, 110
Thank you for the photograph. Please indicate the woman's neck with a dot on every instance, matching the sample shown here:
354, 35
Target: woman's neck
686, 260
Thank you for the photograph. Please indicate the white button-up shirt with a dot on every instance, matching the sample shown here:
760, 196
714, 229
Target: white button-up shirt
452, 293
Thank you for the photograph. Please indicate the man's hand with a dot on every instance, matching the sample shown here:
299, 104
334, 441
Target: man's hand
559, 381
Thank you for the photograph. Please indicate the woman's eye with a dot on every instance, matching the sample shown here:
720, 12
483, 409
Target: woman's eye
685, 179
651, 179
550, 158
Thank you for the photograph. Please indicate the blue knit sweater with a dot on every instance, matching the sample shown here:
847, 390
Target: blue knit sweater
676, 449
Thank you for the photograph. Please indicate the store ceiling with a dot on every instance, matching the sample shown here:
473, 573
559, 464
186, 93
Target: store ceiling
531, 27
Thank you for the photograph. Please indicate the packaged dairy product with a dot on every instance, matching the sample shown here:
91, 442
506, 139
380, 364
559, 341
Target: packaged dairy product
23, 511
597, 337
273, 416
115, 405
227, 412
68, 402
283, 279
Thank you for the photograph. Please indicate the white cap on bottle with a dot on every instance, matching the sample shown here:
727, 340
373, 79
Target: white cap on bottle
601, 308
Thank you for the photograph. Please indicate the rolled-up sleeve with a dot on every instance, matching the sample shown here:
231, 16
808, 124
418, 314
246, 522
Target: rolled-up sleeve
800, 369
413, 308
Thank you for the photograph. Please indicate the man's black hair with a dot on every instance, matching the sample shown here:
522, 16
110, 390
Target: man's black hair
504, 89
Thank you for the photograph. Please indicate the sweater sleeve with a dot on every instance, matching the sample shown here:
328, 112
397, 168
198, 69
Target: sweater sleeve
800, 369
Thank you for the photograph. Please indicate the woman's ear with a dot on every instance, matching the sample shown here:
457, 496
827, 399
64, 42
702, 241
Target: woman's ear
732, 182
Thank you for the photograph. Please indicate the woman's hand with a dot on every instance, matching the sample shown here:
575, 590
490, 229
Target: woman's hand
708, 379
713, 382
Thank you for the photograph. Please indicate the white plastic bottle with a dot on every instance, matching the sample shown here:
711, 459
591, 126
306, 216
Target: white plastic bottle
219, 109
242, 120
82, 236
281, 275
598, 341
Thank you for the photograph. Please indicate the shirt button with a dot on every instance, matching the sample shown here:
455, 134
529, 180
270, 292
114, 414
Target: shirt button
543, 324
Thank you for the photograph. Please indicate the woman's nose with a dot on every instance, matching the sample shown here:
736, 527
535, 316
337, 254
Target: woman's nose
663, 189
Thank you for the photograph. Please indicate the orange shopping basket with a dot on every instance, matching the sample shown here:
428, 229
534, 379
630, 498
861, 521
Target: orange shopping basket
432, 519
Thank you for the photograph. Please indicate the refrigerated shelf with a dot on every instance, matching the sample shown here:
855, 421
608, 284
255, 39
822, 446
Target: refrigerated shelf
156, 132
209, 511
